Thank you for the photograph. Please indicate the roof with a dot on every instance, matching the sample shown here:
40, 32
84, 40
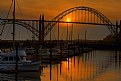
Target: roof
13, 53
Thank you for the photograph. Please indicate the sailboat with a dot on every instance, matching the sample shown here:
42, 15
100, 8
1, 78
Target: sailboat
16, 60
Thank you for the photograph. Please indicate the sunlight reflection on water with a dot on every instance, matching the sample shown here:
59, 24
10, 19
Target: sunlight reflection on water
93, 66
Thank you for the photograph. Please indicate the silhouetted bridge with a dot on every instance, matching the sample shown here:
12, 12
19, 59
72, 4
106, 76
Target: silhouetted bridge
86, 15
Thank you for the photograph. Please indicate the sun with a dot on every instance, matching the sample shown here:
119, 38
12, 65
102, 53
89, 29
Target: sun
68, 20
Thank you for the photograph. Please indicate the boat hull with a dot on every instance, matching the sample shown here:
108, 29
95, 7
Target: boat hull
32, 66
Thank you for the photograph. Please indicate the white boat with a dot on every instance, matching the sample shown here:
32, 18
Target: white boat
16, 60
8, 62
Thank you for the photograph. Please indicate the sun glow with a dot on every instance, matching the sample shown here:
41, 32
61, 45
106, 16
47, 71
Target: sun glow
68, 20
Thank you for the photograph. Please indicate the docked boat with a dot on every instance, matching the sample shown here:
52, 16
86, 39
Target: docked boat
16, 60
30, 50
11, 62
47, 54
65, 51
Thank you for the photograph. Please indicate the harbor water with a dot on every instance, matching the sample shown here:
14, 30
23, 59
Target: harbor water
97, 65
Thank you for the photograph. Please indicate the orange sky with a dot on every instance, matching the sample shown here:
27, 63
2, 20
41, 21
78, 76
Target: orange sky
51, 8
31, 9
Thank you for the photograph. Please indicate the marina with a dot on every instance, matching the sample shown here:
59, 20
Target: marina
91, 66
80, 43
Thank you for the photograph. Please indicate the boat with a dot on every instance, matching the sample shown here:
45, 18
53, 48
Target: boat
46, 54
8, 62
65, 51
16, 60
49, 55
30, 50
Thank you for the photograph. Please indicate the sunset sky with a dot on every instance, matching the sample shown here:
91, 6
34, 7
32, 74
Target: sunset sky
31, 9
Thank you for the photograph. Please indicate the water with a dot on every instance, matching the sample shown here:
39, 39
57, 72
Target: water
98, 65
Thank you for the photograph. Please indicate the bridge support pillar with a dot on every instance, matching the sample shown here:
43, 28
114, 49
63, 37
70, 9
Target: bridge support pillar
120, 33
41, 29
116, 33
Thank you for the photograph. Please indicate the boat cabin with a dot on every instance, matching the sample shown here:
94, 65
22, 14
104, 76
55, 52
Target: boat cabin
11, 57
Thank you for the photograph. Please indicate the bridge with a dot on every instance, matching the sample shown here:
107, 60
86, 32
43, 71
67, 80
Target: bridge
86, 15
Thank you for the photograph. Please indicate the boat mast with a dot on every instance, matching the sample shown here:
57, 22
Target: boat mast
14, 12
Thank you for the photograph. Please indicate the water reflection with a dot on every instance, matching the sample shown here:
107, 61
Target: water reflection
93, 66
21, 76
98, 65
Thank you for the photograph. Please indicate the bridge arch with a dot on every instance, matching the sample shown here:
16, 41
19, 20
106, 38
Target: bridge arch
23, 24
29, 27
96, 13
50, 25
